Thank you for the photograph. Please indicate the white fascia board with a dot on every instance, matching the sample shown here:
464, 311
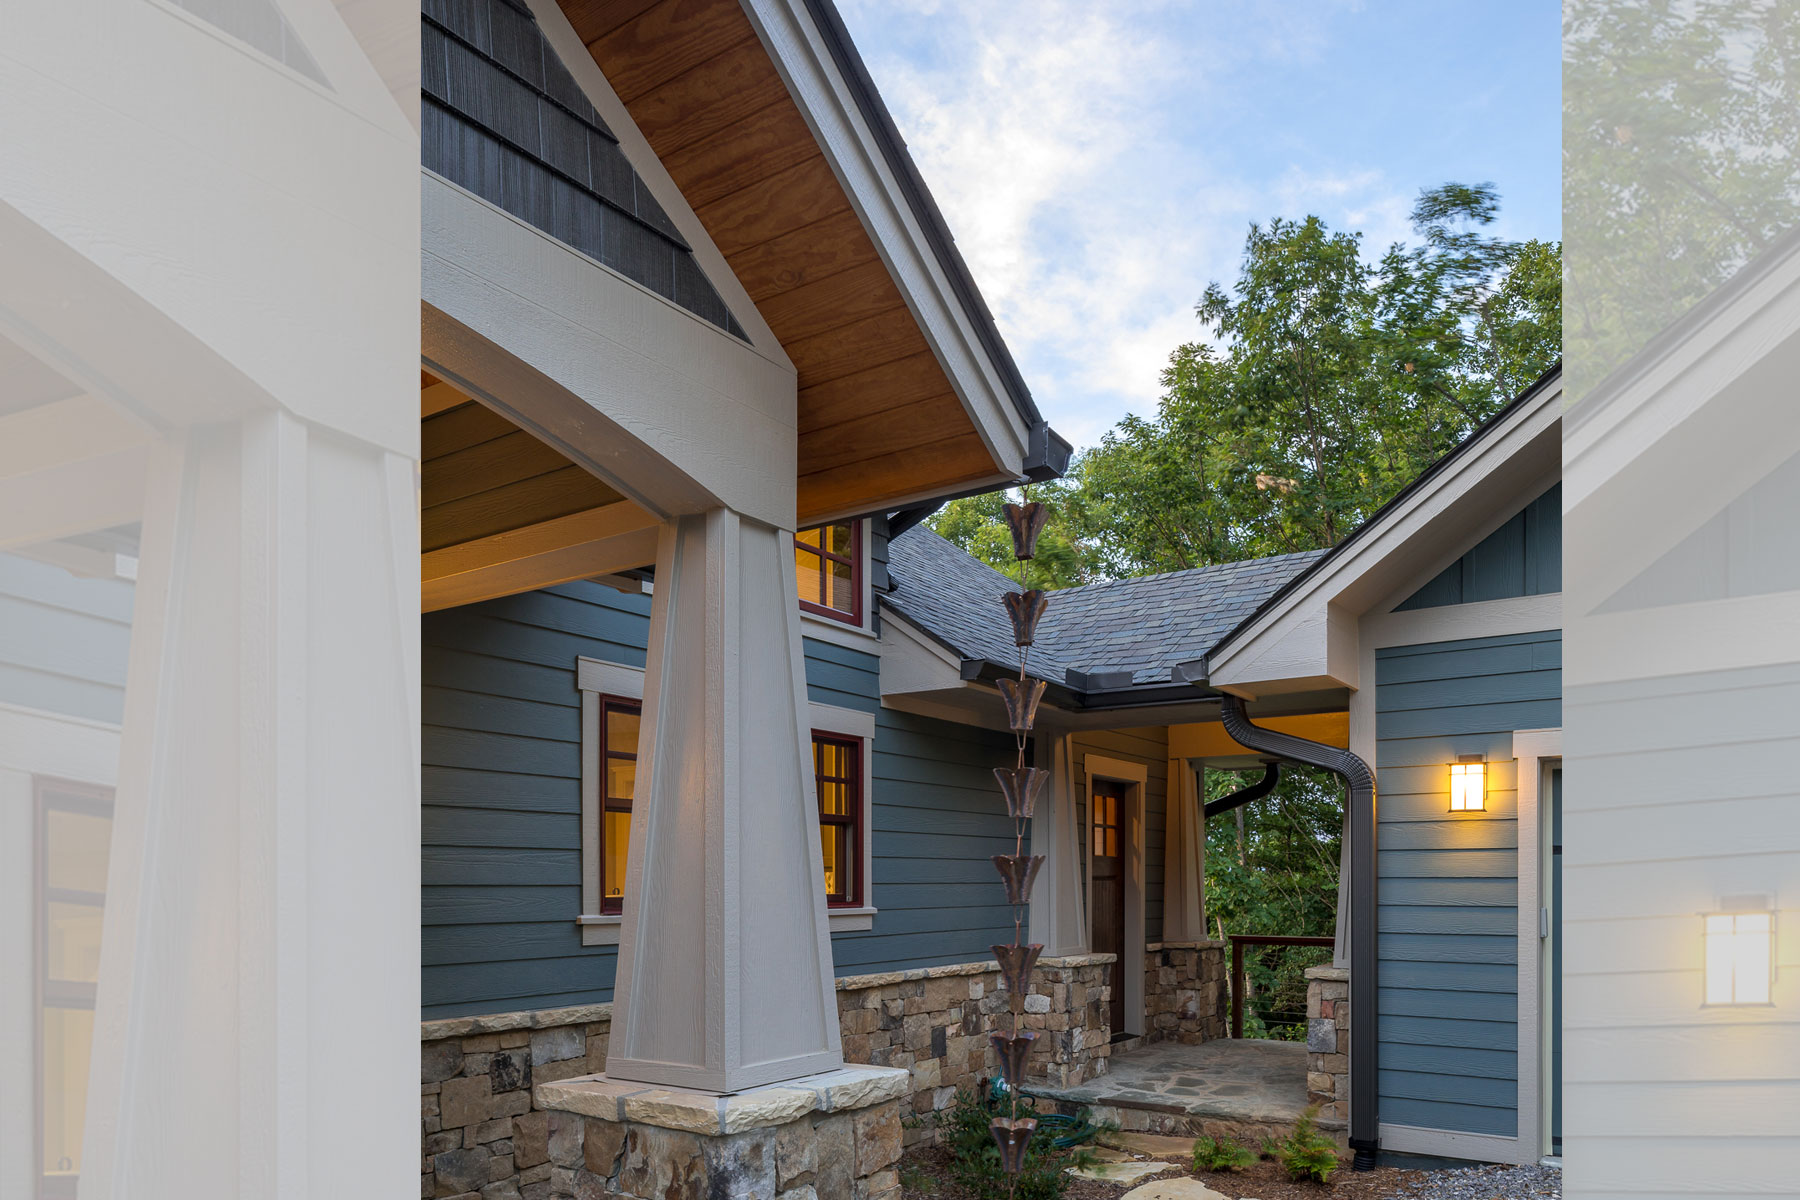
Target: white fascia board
204, 288
1641, 402
829, 107
1293, 643
914, 662
1666, 447
713, 419
593, 82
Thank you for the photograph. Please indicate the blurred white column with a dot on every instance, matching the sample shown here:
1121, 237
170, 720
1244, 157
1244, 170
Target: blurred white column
264, 872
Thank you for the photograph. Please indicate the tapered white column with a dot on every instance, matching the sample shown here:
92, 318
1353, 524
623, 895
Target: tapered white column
724, 978
1058, 902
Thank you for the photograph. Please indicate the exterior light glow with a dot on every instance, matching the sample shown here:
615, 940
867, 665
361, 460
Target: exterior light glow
1739, 957
1468, 784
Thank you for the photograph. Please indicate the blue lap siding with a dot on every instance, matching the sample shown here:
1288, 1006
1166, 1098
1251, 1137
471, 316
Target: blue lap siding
1449, 883
501, 819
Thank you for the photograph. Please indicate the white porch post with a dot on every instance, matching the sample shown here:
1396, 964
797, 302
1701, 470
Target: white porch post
725, 977
1058, 903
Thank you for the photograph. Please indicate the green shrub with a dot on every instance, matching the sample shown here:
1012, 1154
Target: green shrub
1220, 1154
975, 1160
1306, 1153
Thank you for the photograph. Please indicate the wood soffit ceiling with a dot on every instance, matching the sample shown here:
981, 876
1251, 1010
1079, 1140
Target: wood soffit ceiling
878, 419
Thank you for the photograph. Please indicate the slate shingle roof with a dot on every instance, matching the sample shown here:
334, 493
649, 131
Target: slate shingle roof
1145, 625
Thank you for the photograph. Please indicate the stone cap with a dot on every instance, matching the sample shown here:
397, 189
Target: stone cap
541, 1018
987, 966
1329, 973
712, 1115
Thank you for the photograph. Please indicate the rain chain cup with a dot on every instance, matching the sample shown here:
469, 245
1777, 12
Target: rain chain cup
1020, 786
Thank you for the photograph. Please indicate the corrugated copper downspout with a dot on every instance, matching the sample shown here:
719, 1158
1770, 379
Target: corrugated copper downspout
1365, 1131
1256, 791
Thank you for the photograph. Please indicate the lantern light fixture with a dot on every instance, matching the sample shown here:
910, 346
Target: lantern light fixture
1468, 784
1740, 952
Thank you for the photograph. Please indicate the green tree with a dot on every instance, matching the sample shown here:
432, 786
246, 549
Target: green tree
1272, 868
1328, 384
977, 524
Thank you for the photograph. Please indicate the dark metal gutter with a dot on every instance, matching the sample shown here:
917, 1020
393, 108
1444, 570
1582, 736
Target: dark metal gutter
1243, 796
1100, 691
1365, 1051
1047, 453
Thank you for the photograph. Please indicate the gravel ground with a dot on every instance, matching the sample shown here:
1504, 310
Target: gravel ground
1485, 1183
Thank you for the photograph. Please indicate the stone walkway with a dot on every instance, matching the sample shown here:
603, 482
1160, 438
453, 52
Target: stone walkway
1248, 1081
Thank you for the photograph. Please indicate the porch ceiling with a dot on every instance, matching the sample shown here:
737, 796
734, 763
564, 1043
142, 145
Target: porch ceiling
879, 420
503, 512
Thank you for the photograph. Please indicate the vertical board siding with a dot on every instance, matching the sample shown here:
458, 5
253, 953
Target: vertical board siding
1449, 883
1521, 558
64, 640
501, 819
1149, 746
937, 819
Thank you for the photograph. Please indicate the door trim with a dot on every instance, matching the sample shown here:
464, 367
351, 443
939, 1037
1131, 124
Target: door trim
1136, 776
1534, 750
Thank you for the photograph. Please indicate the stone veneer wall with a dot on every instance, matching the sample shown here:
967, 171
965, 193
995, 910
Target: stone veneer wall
1184, 992
934, 1021
483, 1138
1328, 1042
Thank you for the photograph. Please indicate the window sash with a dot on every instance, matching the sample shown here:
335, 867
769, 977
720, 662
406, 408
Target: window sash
820, 604
610, 804
849, 822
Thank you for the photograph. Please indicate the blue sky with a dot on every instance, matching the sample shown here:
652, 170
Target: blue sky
1100, 160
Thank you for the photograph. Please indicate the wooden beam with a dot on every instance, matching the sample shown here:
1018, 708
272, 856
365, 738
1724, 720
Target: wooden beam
73, 497
599, 541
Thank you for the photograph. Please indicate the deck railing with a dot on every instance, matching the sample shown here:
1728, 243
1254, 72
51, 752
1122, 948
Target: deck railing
1238, 942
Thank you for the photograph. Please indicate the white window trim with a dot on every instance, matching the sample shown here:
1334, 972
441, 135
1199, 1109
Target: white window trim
854, 723
595, 679
843, 633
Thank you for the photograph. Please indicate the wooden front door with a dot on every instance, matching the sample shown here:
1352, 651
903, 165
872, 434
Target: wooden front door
1107, 871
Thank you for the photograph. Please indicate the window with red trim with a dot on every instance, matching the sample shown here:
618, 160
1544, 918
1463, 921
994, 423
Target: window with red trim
828, 567
618, 782
837, 770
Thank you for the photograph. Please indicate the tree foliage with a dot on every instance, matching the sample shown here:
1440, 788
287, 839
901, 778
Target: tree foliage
1326, 384
1272, 867
1680, 126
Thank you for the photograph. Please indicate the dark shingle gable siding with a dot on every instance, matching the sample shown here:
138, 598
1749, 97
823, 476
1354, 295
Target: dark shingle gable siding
503, 118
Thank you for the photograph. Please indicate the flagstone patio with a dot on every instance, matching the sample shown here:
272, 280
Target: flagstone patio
1244, 1088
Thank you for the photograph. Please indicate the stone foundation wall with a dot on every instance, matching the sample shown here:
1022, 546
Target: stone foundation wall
1184, 992
934, 1021
1328, 1042
482, 1136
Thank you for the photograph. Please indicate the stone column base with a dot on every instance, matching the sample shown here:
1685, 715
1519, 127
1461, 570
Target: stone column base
833, 1136
1328, 1042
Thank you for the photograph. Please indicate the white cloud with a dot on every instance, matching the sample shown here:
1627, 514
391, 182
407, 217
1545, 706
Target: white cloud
1062, 139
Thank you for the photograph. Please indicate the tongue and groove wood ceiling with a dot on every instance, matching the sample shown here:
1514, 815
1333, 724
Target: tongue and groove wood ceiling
878, 419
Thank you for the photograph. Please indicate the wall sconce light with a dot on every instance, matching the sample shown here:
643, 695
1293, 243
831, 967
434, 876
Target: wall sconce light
1468, 784
1740, 952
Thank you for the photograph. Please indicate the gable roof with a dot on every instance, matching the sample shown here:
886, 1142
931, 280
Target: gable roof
1144, 625
1516, 441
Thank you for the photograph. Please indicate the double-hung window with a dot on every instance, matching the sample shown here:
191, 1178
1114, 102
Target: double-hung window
837, 773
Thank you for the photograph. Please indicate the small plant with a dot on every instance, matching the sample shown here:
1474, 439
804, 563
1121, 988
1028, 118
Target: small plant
975, 1160
1305, 1153
917, 1182
1220, 1154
